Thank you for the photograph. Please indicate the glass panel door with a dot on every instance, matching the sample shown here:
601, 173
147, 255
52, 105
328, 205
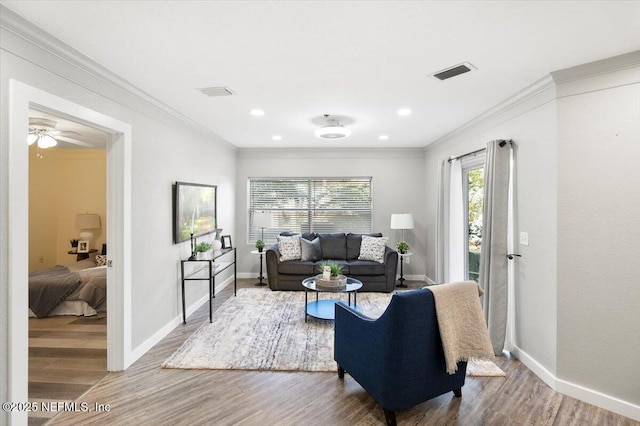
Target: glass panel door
473, 181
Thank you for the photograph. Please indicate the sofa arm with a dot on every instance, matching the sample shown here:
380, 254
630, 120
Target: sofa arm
391, 267
273, 261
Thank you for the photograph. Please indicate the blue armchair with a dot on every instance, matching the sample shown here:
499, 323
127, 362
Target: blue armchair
397, 358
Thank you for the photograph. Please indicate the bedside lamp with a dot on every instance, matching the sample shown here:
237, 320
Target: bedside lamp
87, 222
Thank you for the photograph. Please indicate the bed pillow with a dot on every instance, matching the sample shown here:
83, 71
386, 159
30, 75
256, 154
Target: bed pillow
101, 260
310, 250
289, 247
372, 248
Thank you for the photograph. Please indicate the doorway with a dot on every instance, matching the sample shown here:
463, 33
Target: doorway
67, 187
119, 355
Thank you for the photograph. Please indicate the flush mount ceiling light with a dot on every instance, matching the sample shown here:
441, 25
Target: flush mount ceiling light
383, 137
404, 111
276, 137
42, 132
257, 112
333, 130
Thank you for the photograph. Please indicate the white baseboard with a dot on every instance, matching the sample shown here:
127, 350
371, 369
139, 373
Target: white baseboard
429, 280
573, 390
145, 346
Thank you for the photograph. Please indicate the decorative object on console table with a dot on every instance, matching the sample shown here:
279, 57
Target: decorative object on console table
74, 244
226, 242
402, 221
87, 222
201, 250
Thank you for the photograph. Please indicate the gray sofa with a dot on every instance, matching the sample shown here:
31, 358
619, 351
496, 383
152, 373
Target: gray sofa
341, 248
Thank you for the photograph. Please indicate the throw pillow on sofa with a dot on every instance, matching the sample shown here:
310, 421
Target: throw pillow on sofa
372, 248
310, 250
289, 247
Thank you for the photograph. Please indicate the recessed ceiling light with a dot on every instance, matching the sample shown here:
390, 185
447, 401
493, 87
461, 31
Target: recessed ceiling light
276, 137
383, 137
257, 112
404, 111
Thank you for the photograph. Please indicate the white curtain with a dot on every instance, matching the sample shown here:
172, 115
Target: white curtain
493, 258
510, 337
441, 221
456, 239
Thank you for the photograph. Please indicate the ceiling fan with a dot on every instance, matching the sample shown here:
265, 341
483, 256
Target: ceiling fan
43, 132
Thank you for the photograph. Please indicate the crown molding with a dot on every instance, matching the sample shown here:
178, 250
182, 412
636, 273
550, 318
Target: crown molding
31, 33
592, 69
514, 101
332, 153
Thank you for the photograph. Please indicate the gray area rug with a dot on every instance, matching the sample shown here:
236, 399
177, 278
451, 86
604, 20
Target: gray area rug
260, 329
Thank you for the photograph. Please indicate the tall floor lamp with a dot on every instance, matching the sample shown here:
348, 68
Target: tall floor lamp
402, 221
262, 220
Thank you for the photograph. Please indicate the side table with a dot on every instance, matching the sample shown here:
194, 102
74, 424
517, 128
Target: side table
401, 280
259, 283
82, 256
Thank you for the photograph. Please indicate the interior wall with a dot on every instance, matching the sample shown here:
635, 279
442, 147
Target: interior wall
165, 148
64, 183
598, 234
532, 126
397, 177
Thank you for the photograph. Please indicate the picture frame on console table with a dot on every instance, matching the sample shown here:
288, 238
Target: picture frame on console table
226, 241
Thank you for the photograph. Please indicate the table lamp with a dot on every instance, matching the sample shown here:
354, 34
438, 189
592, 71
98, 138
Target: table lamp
87, 222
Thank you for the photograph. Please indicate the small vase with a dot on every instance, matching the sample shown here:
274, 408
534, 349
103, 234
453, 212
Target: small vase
216, 245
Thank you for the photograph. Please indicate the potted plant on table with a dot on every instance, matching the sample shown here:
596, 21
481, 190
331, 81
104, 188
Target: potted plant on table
402, 247
201, 249
260, 245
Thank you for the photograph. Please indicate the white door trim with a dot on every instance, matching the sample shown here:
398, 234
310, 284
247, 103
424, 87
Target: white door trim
119, 356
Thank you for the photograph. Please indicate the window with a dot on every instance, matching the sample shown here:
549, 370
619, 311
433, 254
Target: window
473, 181
310, 205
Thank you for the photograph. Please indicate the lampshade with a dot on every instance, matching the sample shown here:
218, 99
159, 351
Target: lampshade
262, 219
402, 221
87, 221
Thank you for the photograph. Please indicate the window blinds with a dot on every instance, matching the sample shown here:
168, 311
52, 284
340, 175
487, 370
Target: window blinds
311, 205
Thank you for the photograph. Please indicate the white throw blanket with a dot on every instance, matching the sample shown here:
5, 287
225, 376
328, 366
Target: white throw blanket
463, 329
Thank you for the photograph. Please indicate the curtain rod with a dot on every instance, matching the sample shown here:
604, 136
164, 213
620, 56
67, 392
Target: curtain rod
502, 143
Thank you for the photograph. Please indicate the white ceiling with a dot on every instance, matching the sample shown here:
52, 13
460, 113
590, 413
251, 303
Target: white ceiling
358, 60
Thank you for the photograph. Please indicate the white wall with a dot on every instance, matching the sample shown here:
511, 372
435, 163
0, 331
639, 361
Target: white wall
599, 233
577, 295
165, 148
397, 178
531, 125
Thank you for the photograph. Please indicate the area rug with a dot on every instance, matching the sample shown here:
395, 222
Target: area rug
260, 329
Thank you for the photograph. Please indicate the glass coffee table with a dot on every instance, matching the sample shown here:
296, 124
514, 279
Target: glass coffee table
325, 308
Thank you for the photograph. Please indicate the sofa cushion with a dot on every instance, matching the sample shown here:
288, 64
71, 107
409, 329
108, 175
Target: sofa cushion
353, 244
306, 235
372, 248
334, 246
289, 247
310, 250
366, 267
297, 267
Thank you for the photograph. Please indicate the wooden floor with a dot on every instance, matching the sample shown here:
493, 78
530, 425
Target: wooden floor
67, 356
148, 394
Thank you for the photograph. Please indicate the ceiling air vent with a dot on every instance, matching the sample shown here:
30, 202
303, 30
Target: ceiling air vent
216, 91
454, 71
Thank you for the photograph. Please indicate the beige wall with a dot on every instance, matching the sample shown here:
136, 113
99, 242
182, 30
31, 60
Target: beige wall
62, 184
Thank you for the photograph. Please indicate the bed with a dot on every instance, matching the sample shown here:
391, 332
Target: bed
77, 289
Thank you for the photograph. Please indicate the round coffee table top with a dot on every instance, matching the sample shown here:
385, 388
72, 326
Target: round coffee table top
352, 285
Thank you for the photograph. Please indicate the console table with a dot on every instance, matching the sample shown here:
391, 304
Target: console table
212, 268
